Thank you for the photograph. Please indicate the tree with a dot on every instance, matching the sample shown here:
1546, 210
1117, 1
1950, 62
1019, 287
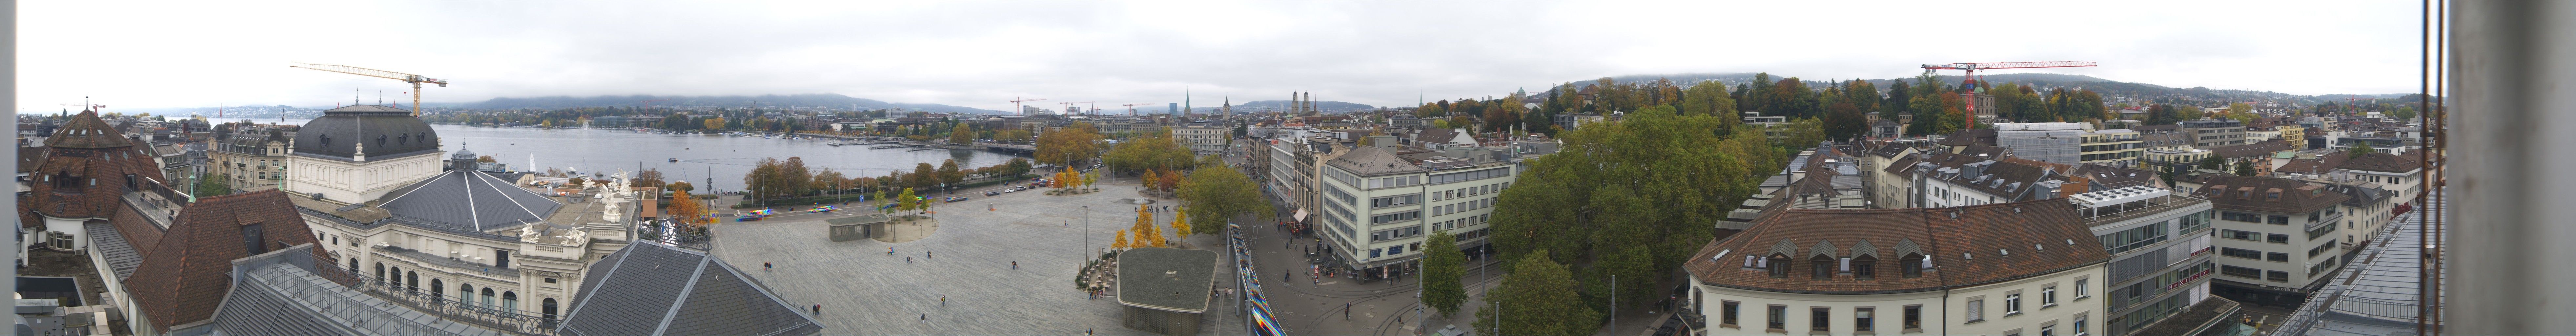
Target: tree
713, 124
961, 134
686, 208
925, 176
1144, 228
1441, 267
830, 180
2361, 149
651, 178
1121, 243
793, 178
948, 172
486, 158
910, 201
1217, 193
2245, 168
211, 185
1168, 181
1180, 222
1148, 179
1844, 120
1069, 144
679, 187
1017, 167
1539, 295
1654, 179
1803, 133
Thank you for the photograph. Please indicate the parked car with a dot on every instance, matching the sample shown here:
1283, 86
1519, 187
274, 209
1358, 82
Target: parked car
992, 193
957, 199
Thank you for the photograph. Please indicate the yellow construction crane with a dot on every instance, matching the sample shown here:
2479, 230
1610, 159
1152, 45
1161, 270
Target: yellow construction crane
415, 80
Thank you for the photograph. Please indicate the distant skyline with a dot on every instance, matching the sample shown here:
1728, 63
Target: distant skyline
981, 54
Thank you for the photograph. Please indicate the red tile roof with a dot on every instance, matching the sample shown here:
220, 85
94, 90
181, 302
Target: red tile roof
2384, 162
1968, 246
2230, 192
184, 279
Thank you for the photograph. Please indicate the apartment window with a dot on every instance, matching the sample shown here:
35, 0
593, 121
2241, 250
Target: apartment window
2048, 297
2277, 276
2012, 304
1820, 319
2079, 288
2241, 217
2277, 256
2240, 253
1976, 311
2240, 235
1913, 317
2277, 238
1779, 318
1727, 312
1864, 319
2048, 330
2079, 324
2241, 272
2279, 220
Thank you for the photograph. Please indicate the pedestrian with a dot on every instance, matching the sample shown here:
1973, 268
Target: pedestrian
1346, 312
1015, 264
925, 317
925, 254
818, 309
764, 266
943, 300
907, 259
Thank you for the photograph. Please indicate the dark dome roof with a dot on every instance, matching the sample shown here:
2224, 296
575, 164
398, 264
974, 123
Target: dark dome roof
388, 132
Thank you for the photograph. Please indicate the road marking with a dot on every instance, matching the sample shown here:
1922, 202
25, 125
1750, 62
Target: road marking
1328, 283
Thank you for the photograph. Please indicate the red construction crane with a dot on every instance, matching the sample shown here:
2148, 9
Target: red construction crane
1131, 108
1016, 108
1972, 79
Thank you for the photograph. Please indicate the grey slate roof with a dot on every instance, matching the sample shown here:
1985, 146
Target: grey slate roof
464, 200
388, 132
653, 289
109, 243
1146, 275
275, 294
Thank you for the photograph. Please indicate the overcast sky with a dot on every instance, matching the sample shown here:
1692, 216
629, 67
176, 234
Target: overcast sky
981, 54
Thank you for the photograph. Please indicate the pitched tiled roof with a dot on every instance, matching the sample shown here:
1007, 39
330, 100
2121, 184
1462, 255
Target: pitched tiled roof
653, 289
2258, 150
28, 157
2384, 162
2007, 179
1986, 152
107, 243
1969, 246
1889, 150
86, 130
2231, 192
1903, 167
98, 174
183, 279
2319, 165
1373, 161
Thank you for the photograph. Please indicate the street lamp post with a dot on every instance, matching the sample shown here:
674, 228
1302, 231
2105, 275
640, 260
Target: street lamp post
1086, 231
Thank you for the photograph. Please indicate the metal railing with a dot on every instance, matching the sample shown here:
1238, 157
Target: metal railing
504, 319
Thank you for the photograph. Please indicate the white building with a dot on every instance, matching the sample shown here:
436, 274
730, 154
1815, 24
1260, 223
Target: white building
2277, 237
393, 213
1378, 207
2026, 268
1204, 138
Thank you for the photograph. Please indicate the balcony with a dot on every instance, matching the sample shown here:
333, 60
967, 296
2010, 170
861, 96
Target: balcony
455, 308
504, 273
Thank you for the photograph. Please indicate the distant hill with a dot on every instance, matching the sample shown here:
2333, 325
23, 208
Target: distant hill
1282, 105
808, 100
2117, 90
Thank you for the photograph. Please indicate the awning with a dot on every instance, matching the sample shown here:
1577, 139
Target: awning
1301, 215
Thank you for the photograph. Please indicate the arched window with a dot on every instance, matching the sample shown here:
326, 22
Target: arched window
1823, 267
1912, 265
380, 272
353, 266
437, 291
411, 282
509, 301
1865, 267
487, 297
1779, 265
465, 294
549, 308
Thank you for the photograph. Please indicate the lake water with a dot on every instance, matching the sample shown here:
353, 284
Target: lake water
725, 158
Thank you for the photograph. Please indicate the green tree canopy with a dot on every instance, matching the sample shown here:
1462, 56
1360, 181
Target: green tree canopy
2361, 149
211, 185
961, 134
1539, 298
1654, 180
1441, 268
1214, 194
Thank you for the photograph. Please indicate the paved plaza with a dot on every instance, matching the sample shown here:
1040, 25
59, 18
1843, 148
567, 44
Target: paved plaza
968, 259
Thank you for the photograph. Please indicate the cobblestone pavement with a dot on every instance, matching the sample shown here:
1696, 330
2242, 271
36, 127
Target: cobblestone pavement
864, 291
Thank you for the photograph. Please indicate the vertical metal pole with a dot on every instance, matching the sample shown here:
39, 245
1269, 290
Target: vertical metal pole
2516, 75
1614, 304
9, 109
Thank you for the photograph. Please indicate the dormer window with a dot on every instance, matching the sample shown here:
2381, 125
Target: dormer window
1778, 264
1864, 267
1823, 267
1913, 265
